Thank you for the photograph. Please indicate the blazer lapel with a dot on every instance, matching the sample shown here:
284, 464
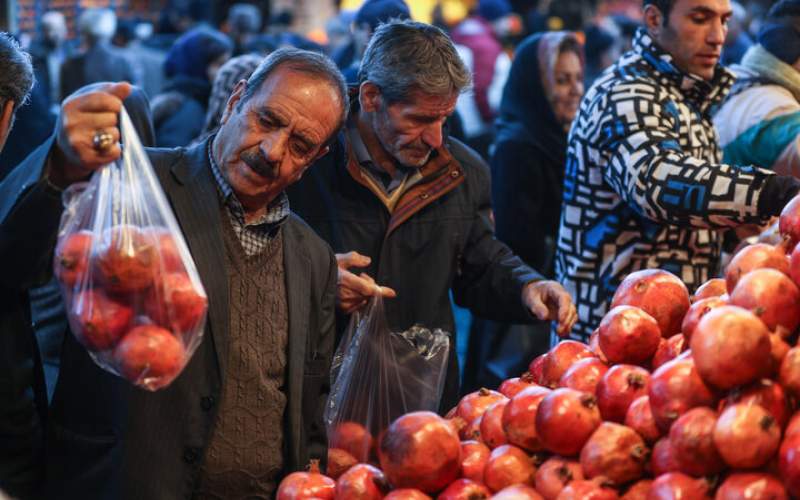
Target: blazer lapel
296, 265
197, 208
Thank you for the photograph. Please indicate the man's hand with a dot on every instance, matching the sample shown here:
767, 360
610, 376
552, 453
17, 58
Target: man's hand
548, 300
83, 115
353, 292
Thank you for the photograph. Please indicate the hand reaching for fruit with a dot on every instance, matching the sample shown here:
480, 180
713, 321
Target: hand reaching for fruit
549, 301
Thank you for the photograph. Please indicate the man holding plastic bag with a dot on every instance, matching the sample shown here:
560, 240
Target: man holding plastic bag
248, 405
411, 207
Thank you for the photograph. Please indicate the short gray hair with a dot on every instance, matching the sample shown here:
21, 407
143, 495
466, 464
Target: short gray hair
303, 61
97, 24
16, 79
407, 56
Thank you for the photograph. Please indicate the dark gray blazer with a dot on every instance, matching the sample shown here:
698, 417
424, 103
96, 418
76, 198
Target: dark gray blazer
108, 439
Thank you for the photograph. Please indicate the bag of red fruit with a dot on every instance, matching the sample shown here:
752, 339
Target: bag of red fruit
132, 292
380, 375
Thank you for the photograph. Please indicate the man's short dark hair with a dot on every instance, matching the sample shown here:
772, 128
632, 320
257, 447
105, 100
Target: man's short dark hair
16, 79
665, 6
303, 61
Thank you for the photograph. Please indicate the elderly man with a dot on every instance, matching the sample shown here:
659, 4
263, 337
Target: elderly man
20, 423
248, 406
411, 206
644, 184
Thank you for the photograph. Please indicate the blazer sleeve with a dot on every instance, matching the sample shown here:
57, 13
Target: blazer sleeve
30, 213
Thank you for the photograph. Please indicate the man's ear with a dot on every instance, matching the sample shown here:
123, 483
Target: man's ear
236, 96
6, 121
653, 19
369, 97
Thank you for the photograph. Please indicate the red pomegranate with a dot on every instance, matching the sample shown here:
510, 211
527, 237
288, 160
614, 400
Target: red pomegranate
473, 460
770, 295
584, 375
470, 431
555, 474
789, 374
675, 388
731, 346
535, 368
420, 450
309, 485
663, 460
594, 345
72, 257
627, 334
696, 313
171, 260
508, 465
475, 403
492, 432
149, 356
668, 349
755, 256
565, 420
639, 490
660, 293
794, 426
751, 485
714, 287
406, 494
560, 358
585, 489
519, 418
510, 387
362, 482
353, 438
794, 265
618, 388
691, 437
789, 222
765, 393
517, 492
338, 462
678, 486
615, 452
126, 259
746, 436
175, 303
789, 463
779, 349
465, 489
640, 418
99, 321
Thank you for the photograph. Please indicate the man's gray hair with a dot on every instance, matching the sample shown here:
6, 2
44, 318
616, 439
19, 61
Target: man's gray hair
303, 61
97, 25
16, 79
407, 56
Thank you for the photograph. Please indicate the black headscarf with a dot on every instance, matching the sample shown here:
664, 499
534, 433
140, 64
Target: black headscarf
526, 113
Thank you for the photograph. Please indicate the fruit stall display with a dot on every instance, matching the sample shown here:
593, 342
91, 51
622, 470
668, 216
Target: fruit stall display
675, 396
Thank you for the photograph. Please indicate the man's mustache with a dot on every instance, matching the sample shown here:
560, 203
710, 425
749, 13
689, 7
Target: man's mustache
261, 166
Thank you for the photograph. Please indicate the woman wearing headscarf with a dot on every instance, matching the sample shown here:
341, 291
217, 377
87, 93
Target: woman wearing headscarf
191, 65
234, 70
540, 100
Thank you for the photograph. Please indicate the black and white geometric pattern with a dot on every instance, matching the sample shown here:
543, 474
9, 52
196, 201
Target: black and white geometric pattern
644, 187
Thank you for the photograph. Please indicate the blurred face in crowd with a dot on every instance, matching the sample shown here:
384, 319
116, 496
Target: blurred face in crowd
266, 142
567, 87
693, 33
408, 131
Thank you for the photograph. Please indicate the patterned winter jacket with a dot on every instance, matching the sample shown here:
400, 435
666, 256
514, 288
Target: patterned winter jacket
644, 185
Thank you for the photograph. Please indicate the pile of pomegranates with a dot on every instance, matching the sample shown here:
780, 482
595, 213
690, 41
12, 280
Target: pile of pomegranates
674, 397
131, 301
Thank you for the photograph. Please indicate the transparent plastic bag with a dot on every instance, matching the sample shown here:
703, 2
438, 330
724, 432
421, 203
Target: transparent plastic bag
380, 375
131, 290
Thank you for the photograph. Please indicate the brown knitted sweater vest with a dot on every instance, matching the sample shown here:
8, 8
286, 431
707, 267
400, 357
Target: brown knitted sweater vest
245, 456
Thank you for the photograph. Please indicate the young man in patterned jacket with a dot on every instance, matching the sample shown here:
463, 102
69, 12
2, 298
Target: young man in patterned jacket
644, 184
